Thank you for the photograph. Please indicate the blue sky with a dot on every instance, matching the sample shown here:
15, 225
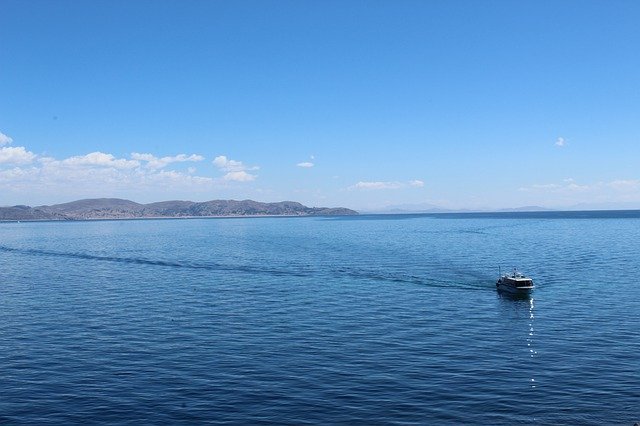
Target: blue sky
363, 104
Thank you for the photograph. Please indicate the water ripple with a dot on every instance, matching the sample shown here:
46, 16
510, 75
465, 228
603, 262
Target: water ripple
314, 321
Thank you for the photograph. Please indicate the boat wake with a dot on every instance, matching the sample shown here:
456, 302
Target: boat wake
450, 280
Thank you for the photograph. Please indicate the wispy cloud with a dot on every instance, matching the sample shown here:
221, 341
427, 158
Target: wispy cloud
307, 164
239, 176
540, 186
569, 185
561, 142
378, 185
4, 139
625, 185
228, 165
155, 163
569, 192
236, 171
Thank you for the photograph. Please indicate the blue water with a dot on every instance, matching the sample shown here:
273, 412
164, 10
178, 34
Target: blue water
360, 320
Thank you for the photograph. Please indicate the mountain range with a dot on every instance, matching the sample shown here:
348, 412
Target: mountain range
431, 208
115, 208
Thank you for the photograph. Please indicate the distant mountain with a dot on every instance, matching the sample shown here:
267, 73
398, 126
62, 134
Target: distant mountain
527, 209
115, 208
27, 213
430, 208
99, 208
410, 208
632, 205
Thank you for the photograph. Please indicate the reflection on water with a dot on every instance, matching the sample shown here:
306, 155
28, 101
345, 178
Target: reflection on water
532, 350
522, 307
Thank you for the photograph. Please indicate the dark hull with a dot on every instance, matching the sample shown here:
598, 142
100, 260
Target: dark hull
513, 289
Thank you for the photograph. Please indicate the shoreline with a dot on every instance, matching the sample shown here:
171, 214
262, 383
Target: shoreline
547, 215
240, 216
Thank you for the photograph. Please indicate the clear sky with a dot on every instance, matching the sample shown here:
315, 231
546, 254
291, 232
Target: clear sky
362, 104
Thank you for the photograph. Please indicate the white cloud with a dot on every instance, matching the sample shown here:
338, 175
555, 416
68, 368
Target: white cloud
239, 176
155, 163
96, 174
16, 155
540, 186
568, 185
4, 139
568, 192
236, 170
625, 185
9, 175
376, 185
178, 178
575, 187
307, 164
561, 141
228, 165
101, 159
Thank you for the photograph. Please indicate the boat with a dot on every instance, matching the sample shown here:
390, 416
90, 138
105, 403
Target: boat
515, 282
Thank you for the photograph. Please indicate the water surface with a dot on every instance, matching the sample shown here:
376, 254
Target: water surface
359, 320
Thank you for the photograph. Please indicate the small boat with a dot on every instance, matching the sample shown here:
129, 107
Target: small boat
515, 282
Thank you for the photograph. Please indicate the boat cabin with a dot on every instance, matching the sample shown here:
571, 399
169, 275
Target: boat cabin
515, 281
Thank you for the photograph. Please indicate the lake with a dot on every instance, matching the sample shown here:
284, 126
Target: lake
369, 320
